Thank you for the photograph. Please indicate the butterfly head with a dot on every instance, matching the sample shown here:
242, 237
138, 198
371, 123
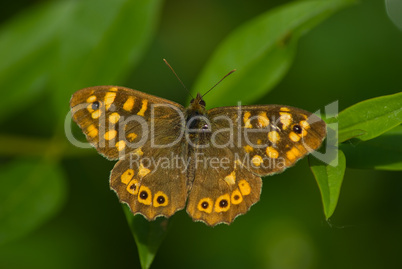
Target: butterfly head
198, 103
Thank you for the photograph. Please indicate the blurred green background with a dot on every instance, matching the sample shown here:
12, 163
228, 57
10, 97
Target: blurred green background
354, 55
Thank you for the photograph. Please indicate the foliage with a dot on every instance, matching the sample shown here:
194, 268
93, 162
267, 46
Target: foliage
63, 46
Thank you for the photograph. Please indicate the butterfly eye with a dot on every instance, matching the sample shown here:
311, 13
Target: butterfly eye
202, 103
95, 105
297, 129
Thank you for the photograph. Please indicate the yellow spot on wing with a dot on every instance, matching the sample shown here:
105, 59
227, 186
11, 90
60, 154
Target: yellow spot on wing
209, 204
257, 160
286, 119
294, 137
114, 117
110, 134
248, 149
244, 187
113, 89
127, 176
139, 152
293, 154
142, 172
120, 145
143, 108
132, 187
128, 105
304, 124
91, 99
131, 136
236, 197
109, 99
263, 120
96, 114
246, 120
231, 178
272, 153
224, 206
92, 131
158, 196
274, 137
284, 109
148, 199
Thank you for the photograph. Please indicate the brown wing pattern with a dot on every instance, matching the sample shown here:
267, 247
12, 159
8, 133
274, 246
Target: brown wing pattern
158, 169
150, 183
117, 120
222, 188
126, 124
258, 141
268, 139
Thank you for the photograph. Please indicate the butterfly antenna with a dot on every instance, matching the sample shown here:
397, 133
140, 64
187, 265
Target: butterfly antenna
181, 82
219, 82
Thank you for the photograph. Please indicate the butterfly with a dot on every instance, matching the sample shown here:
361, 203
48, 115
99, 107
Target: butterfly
207, 161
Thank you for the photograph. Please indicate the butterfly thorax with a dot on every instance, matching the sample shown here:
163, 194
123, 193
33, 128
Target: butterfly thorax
197, 105
198, 133
197, 124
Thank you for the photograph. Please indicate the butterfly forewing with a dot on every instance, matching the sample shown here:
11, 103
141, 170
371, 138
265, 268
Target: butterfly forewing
118, 120
268, 139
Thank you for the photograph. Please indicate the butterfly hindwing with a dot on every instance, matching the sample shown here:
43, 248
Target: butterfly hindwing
150, 188
220, 193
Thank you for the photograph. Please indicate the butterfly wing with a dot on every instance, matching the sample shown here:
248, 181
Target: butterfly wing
268, 139
118, 120
150, 183
257, 141
126, 124
222, 188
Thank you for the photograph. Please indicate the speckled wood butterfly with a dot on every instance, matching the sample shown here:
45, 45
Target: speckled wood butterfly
209, 161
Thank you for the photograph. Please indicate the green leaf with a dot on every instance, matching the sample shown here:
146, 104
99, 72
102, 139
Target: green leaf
148, 235
100, 41
27, 54
67, 45
371, 117
262, 51
31, 192
329, 178
381, 153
